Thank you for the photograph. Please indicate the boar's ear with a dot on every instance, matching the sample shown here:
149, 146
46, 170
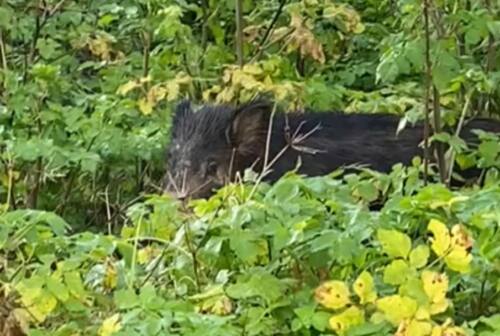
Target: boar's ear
248, 127
182, 111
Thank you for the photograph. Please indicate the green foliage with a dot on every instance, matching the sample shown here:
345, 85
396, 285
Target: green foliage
86, 94
256, 265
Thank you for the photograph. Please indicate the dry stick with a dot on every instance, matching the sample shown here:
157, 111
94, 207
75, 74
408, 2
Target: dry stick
3, 52
437, 129
193, 252
428, 83
239, 32
108, 211
491, 55
146, 52
457, 133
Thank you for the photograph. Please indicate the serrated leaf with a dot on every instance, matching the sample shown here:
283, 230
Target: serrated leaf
394, 243
441, 241
110, 325
397, 308
396, 272
57, 288
419, 256
364, 288
348, 318
333, 294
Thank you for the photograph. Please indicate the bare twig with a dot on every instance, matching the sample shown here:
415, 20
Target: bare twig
269, 29
428, 83
205, 10
146, 52
437, 129
194, 256
108, 211
3, 53
239, 32
457, 133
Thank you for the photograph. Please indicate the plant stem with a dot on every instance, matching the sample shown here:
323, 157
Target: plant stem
239, 32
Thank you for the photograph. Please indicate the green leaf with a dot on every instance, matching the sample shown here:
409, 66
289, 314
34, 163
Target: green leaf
57, 288
126, 299
396, 272
494, 28
47, 48
419, 256
246, 245
394, 243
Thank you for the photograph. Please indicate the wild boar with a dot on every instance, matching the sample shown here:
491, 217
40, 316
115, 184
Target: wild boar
210, 146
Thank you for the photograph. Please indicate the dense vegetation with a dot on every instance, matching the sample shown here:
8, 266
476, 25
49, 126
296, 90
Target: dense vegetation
87, 245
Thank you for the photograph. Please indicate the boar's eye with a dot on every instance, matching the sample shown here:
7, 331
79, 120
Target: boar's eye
211, 168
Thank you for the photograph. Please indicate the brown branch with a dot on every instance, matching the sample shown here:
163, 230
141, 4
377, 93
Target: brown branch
239, 32
437, 129
428, 83
491, 54
3, 52
146, 55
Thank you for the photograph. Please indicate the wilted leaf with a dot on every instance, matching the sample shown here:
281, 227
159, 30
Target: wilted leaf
348, 318
397, 308
396, 272
333, 294
365, 288
110, 325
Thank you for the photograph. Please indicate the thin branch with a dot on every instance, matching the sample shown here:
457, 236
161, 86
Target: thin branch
270, 28
239, 32
437, 129
457, 133
205, 10
146, 53
428, 83
3, 52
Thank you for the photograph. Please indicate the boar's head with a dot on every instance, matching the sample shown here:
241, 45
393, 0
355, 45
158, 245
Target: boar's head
208, 147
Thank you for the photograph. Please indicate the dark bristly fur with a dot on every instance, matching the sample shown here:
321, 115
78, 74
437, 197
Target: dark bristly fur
211, 145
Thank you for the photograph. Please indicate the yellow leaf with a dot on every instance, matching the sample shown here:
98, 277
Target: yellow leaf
127, 87
333, 294
442, 241
396, 272
223, 306
226, 95
422, 314
447, 330
438, 307
458, 260
413, 328
40, 303
348, 318
110, 277
252, 69
397, 308
156, 93
394, 243
460, 237
364, 288
145, 106
110, 326
146, 254
435, 285
419, 256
